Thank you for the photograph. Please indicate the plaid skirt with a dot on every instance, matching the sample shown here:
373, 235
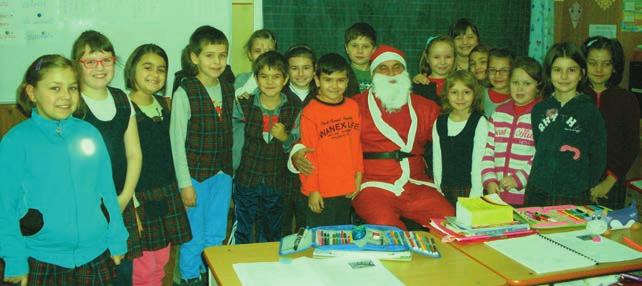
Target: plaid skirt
537, 198
134, 246
97, 272
452, 194
163, 216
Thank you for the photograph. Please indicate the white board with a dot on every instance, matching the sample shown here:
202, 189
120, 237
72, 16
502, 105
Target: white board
31, 28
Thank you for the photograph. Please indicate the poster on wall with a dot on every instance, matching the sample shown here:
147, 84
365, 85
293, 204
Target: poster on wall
609, 31
631, 16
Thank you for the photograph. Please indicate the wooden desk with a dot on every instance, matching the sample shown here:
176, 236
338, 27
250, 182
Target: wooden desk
517, 274
453, 268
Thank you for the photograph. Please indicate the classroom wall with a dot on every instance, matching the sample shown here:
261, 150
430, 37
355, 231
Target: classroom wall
593, 14
242, 28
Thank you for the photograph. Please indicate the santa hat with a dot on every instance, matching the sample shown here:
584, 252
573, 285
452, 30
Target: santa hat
385, 53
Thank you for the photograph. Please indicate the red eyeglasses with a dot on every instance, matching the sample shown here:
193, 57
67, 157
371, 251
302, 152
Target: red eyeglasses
93, 63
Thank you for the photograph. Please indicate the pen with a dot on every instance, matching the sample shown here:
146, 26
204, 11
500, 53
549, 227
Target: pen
568, 213
299, 235
549, 218
531, 216
432, 240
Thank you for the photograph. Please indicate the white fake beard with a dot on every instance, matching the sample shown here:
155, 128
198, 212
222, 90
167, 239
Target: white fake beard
393, 91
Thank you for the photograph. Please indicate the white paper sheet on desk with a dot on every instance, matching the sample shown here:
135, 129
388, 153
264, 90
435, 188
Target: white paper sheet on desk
309, 271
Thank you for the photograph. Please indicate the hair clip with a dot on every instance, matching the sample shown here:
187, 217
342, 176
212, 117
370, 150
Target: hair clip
299, 46
430, 39
39, 64
591, 42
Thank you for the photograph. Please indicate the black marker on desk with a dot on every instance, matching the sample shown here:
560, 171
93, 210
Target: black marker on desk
432, 242
299, 235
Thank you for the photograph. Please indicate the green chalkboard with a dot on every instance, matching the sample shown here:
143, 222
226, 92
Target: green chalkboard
404, 24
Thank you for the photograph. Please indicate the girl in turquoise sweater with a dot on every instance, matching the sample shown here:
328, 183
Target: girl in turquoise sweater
60, 219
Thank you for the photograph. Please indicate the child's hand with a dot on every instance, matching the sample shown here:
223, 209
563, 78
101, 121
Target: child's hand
188, 195
602, 189
493, 188
22, 280
117, 259
244, 95
278, 131
421, 79
301, 163
357, 184
508, 182
315, 202
352, 195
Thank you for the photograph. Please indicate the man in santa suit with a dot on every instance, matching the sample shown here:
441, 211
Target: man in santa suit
395, 127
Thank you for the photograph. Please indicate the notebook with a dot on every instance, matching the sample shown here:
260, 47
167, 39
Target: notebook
562, 251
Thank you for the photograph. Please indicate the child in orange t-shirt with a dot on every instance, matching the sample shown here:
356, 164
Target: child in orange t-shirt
330, 125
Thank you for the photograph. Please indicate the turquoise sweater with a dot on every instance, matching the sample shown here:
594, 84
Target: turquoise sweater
61, 169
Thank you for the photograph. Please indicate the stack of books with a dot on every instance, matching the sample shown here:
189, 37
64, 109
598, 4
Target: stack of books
483, 211
481, 219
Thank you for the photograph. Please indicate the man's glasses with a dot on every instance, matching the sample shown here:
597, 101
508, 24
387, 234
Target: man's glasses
93, 63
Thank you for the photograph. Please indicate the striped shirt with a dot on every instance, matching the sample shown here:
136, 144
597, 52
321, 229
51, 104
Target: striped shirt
509, 149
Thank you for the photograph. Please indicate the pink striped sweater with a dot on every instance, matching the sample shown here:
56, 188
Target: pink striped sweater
509, 150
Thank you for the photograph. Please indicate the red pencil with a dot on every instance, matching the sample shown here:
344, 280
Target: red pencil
631, 243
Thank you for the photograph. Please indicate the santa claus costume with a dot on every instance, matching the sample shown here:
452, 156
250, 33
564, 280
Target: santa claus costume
393, 136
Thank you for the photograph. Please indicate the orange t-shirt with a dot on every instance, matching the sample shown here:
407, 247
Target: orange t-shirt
333, 130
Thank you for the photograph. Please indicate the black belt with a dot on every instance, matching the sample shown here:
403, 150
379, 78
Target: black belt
396, 155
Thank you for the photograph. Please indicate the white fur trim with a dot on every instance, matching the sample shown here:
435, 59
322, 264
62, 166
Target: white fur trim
390, 133
386, 56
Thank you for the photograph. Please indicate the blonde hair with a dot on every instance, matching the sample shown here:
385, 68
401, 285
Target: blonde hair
469, 81
424, 66
35, 73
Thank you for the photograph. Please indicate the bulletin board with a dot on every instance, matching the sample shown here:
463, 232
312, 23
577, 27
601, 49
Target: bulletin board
31, 28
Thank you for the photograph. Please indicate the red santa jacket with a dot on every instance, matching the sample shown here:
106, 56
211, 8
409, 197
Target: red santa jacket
382, 131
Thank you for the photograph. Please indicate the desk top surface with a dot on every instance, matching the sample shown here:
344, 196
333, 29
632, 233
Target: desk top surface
453, 268
517, 274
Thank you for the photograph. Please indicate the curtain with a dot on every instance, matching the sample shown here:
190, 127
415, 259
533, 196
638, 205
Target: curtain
542, 28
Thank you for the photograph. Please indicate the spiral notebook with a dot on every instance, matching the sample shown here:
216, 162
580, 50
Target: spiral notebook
562, 251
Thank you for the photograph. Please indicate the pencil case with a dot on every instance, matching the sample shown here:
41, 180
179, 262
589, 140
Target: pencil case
367, 237
557, 216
